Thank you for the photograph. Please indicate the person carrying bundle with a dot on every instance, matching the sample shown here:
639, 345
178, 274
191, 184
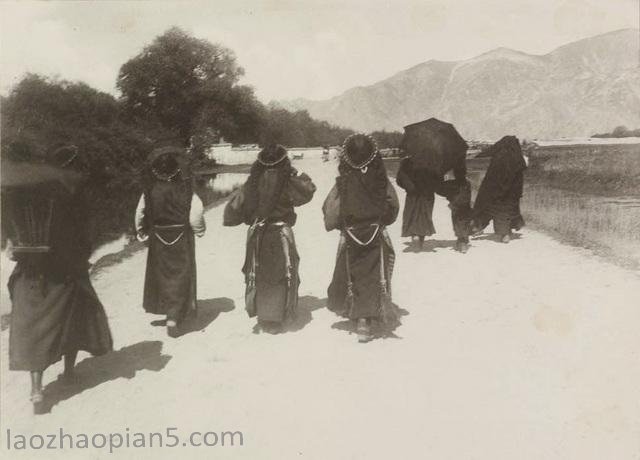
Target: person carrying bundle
55, 310
420, 185
361, 205
501, 189
435, 148
266, 204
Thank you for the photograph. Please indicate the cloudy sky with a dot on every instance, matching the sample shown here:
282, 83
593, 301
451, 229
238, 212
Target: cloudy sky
293, 48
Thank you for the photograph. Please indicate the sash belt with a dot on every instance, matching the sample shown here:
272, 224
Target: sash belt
163, 227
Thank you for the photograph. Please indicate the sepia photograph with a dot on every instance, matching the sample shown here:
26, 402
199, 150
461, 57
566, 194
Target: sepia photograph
320, 229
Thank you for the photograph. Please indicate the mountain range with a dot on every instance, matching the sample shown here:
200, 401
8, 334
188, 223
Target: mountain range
584, 87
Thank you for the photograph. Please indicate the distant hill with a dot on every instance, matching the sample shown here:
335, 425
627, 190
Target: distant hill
580, 88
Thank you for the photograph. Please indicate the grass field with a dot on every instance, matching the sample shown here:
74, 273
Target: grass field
588, 196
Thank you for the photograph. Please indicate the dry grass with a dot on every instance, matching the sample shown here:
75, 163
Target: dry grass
589, 196
605, 170
611, 229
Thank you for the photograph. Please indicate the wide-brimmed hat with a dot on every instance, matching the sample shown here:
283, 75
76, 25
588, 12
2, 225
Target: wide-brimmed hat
272, 155
359, 150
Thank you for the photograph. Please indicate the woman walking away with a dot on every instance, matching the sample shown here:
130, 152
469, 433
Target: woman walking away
265, 203
501, 189
361, 204
420, 184
168, 215
55, 310
458, 193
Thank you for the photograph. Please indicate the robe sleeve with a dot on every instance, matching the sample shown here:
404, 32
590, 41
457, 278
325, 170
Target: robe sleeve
403, 180
331, 210
393, 206
301, 189
196, 216
234, 210
141, 232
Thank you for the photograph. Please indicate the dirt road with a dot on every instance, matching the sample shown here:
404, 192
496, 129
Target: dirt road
528, 350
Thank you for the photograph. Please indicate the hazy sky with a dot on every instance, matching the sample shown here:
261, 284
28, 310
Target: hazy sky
293, 48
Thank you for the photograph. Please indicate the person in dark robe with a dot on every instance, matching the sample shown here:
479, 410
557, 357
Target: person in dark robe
360, 205
420, 185
55, 309
457, 191
168, 216
266, 204
501, 189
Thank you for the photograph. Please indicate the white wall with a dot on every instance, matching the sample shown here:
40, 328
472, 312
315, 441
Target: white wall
226, 154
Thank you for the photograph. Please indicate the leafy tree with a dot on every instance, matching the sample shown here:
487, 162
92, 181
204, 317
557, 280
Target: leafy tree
42, 114
387, 139
187, 84
298, 129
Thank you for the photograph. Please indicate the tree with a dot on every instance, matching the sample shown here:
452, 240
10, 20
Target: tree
298, 129
387, 139
188, 85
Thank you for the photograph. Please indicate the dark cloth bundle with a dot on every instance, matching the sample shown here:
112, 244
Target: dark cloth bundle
501, 189
55, 310
364, 196
265, 191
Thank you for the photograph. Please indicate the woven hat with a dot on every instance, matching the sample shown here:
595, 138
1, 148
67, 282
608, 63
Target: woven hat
359, 150
272, 155
164, 162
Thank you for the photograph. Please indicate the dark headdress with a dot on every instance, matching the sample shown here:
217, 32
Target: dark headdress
272, 155
274, 165
164, 163
506, 155
363, 180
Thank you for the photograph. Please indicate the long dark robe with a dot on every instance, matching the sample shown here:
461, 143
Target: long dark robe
170, 278
359, 202
420, 185
458, 193
501, 189
271, 258
55, 310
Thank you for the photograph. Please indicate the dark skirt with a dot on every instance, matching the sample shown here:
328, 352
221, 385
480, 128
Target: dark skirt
170, 280
417, 215
505, 215
368, 299
53, 316
271, 273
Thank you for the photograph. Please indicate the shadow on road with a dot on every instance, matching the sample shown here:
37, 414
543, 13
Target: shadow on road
208, 311
429, 246
494, 237
380, 330
94, 371
306, 305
